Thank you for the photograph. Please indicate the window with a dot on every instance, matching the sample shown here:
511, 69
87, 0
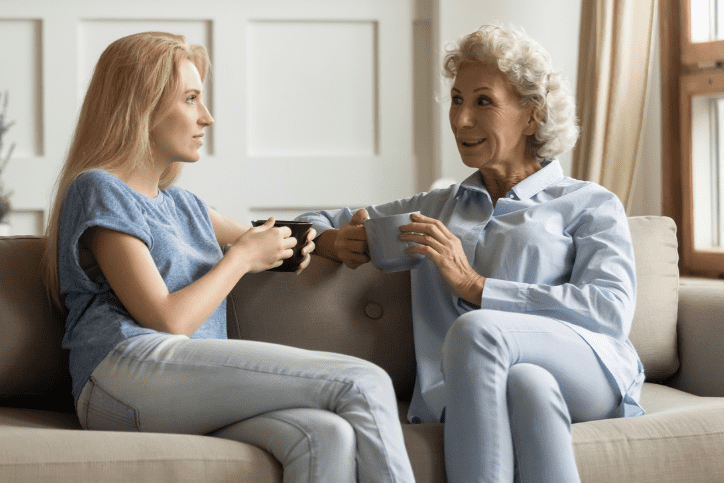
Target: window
707, 133
706, 20
692, 48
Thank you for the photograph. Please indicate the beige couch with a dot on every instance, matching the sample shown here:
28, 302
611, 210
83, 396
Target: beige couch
678, 330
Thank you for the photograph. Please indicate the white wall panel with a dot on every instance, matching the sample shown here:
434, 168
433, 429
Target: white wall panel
20, 77
312, 100
25, 222
309, 95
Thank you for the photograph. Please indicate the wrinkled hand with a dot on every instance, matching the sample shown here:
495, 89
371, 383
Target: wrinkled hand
307, 250
265, 246
351, 241
445, 250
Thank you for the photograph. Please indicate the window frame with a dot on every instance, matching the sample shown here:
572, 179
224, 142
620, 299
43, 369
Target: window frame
688, 69
693, 53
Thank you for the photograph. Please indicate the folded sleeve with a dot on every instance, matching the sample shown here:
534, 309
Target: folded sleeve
94, 199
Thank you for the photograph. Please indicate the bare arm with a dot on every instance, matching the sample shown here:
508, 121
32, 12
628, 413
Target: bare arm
227, 230
132, 274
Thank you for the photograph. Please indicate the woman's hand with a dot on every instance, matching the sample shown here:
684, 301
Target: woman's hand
445, 250
264, 247
348, 244
307, 250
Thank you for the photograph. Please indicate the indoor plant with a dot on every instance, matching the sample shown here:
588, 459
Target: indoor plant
4, 195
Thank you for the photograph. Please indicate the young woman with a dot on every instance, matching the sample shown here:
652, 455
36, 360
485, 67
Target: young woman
137, 264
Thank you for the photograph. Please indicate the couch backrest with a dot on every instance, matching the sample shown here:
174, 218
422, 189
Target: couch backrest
329, 307
366, 313
653, 332
33, 367
363, 312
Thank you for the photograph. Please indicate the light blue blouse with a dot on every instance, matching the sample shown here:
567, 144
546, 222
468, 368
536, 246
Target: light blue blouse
554, 246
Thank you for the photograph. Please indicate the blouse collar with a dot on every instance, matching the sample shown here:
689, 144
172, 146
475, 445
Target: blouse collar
549, 174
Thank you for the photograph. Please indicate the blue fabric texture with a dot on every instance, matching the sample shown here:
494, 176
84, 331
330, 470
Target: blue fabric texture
554, 246
176, 227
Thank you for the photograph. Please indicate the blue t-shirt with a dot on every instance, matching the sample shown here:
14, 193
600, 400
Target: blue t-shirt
176, 228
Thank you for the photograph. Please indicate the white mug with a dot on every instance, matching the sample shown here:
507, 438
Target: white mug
387, 251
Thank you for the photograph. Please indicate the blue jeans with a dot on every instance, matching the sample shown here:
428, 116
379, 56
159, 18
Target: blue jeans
324, 416
514, 383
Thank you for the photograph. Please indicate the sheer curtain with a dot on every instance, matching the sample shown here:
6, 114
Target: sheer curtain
616, 45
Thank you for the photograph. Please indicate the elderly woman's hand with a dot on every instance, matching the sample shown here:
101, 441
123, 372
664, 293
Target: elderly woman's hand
307, 251
350, 243
446, 251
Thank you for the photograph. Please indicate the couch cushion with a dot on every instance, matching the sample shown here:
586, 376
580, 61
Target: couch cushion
33, 366
66, 455
653, 332
681, 438
424, 443
364, 313
51, 446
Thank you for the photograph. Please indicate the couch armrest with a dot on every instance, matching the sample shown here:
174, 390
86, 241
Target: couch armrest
701, 337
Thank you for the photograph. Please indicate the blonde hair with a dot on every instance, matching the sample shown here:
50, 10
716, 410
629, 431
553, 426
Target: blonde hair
131, 89
529, 69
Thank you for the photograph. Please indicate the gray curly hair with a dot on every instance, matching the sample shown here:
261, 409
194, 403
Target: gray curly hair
529, 69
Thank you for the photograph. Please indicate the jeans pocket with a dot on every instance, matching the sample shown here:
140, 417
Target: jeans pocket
105, 412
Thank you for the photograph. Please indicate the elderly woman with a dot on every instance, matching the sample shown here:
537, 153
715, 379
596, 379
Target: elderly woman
523, 305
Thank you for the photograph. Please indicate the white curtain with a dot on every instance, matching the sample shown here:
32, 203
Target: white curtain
616, 45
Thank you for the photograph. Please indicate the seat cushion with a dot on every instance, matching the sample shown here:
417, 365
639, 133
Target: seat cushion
45, 446
681, 438
424, 444
653, 332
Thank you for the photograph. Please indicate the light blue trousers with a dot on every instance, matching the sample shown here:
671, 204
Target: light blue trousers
326, 417
514, 383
